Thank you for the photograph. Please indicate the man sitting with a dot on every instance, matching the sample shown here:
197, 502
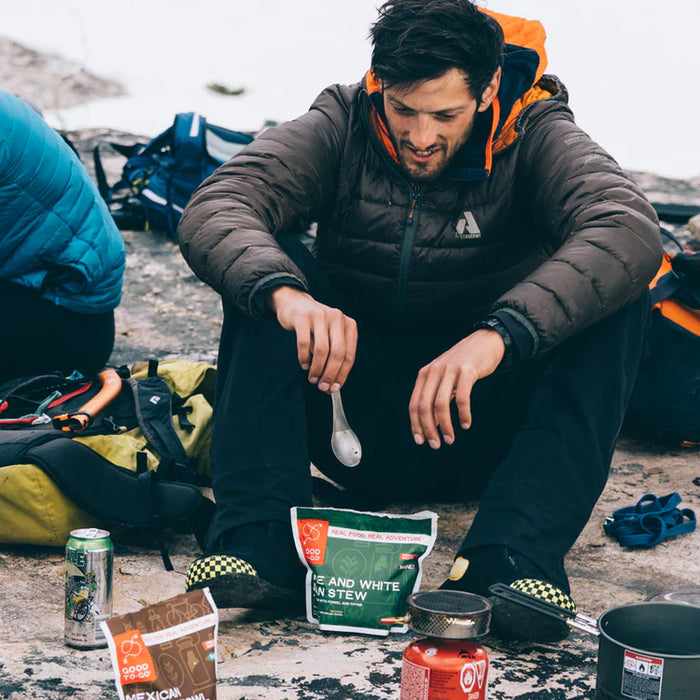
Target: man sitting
477, 288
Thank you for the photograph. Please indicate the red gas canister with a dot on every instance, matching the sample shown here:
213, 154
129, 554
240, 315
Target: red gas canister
447, 664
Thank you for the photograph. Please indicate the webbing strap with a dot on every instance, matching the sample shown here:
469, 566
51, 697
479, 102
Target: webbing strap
102, 185
153, 406
666, 286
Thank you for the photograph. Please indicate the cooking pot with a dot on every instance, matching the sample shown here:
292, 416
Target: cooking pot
646, 651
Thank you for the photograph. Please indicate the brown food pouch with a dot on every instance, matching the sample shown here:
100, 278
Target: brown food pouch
166, 650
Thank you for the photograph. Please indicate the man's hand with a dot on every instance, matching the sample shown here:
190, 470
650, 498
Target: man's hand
326, 337
452, 375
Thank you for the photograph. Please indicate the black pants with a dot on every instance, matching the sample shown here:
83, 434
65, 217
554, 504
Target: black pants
537, 454
38, 336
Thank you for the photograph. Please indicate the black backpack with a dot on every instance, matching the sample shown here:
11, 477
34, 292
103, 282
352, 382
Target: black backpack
665, 403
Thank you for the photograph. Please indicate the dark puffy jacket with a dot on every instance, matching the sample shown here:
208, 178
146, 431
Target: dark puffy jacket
554, 234
56, 235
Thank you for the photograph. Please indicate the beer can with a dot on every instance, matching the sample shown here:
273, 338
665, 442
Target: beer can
89, 561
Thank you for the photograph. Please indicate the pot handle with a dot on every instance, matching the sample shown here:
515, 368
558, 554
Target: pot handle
582, 622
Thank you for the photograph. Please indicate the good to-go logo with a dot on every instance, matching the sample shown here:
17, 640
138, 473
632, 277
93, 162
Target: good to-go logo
313, 535
472, 674
135, 661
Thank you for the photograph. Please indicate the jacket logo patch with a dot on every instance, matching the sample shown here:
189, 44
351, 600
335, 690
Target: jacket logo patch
467, 228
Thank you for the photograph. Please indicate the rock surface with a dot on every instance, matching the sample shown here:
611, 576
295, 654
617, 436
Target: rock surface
166, 312
47, 80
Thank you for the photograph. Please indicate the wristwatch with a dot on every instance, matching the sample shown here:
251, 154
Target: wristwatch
495, 324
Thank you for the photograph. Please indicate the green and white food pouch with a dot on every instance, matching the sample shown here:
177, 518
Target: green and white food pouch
361, 566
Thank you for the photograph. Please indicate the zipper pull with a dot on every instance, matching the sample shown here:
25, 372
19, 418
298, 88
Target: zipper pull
414, 205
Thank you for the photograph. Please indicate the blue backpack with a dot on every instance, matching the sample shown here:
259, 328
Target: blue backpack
159, 177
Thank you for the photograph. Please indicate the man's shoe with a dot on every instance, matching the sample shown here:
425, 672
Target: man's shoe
514, 622
234, 583
254, 565
509, 621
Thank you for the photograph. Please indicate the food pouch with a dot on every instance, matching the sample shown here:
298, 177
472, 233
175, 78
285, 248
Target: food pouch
166, 650
361, 566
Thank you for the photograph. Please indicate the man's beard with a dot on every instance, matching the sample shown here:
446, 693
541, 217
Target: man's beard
433, 169
423, 172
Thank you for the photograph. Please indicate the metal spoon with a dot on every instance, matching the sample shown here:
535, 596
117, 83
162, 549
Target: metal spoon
344, 443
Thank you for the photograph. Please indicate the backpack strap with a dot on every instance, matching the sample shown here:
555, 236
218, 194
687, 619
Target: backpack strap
153, 404
137, 155
189, 130
666, 286
103, 186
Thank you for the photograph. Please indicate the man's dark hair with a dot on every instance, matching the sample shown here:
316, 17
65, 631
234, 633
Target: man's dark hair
417, 40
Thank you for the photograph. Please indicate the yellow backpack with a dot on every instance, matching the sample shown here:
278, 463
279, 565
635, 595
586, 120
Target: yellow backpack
132, 465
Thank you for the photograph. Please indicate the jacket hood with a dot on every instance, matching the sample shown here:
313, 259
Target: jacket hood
524, 63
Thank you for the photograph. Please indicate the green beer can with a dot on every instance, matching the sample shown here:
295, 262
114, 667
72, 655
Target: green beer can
89, 562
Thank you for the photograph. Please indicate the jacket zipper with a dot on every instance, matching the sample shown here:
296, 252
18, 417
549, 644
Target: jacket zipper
409, 237
411, 224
